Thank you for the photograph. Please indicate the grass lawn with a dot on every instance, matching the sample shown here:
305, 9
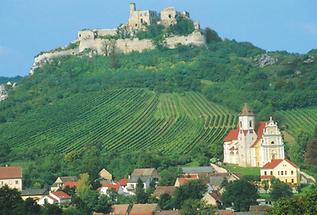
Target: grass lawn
264, 196
244, 171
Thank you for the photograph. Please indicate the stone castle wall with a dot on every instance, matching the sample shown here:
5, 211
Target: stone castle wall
119, 46
49, 56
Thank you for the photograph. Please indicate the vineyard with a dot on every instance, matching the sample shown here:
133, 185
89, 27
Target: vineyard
122, 120
298, 120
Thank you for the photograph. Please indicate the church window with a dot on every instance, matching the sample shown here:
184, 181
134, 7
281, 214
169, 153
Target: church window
292, 172
271, 172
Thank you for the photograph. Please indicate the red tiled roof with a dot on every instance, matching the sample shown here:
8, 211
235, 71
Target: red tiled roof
266, 176
61, 195
70, 184
232, 135
123, 182
261, 127
112, 186
272, 164
10, 172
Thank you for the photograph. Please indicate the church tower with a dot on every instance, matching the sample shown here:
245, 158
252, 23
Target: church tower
246, 136
272, 143
246, 118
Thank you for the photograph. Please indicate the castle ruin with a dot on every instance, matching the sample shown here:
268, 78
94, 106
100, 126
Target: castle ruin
106, 41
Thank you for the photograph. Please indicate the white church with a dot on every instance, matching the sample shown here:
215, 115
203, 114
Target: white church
251, 145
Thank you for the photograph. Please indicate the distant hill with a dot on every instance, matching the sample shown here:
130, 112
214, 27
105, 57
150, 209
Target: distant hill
4, 80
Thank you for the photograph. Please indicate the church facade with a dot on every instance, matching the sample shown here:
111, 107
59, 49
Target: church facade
251, 144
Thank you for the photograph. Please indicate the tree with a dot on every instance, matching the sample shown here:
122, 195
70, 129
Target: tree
169, 175
52, 210
184, 26
211, 35
166, 202
195, 207
311, 152
11, 202
103, 205
192, 190
140, 194
4, 152
240, 194
280, 190
31, 207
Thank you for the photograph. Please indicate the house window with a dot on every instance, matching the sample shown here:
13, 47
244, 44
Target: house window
285, 180
271, 172
292, 172
281, 172
264, 172
285, 172
278, 172
16, 182
240, 124
250, 123
292, 180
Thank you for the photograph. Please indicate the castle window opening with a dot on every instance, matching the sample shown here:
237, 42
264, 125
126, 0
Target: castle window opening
170, 16
142, 21
272, 142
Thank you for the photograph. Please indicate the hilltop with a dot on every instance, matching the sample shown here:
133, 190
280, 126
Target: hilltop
177, 100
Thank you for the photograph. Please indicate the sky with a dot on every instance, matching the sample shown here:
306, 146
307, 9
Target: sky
28, 27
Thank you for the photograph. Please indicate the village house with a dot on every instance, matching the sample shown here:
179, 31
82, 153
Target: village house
118, 209
12, 177
59, 198
160, 190
105, 175
35, 194
145, 209
62, 182
248, 146
282, 169
146, 175
182, 180
212, 199
201, 170
114, 187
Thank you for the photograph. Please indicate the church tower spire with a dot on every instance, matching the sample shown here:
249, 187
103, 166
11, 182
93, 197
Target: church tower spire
246, 118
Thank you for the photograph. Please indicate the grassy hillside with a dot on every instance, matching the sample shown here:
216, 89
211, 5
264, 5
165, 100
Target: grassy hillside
122, 120
171, 102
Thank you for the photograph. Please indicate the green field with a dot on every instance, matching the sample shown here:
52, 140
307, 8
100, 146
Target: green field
244, 171
298, 120
122, 120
